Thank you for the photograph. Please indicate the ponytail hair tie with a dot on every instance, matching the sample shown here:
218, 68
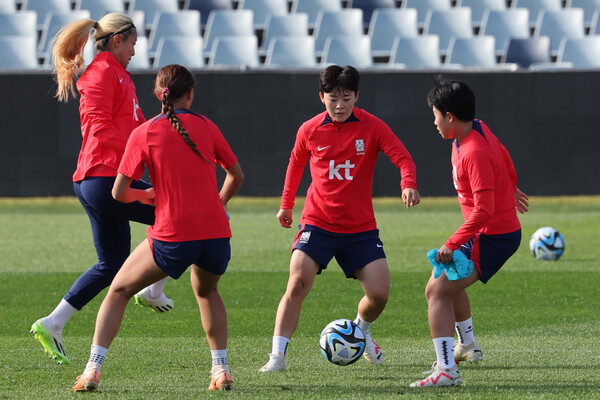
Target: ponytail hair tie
164, 91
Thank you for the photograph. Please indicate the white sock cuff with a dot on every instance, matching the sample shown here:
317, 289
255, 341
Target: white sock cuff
280, 345
219, 357
364, 325
444, 351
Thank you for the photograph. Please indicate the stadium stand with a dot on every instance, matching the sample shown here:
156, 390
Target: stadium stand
421, 52
388, 24
347, 50
18, 52
184, 50
291, 52
506, 25
447, 24
235, 51
369, 6
566, 23
263, 9
479, 7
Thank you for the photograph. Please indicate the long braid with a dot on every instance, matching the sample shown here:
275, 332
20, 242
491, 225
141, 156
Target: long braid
176, 123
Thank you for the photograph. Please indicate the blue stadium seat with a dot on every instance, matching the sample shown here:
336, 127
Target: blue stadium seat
291, 52
421, 52
235, 52
589, 8
44, 8
535, 7
369, 6
153, 7
206, 7
447, 24
184, 50
505, 25
388, 24
53, 23
424, 6
347, 22
99, 8
314, 7
8, 6
18, 52
583, 53
525, 52
263, 9
179, 23
346, 50
23, 23
283, 26
479, 7
227, 23
567, 23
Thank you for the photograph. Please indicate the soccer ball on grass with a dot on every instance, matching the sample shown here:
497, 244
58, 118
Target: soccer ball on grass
342, 342
547, 244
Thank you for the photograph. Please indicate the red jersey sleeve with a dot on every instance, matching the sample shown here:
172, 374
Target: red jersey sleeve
295, 168
483, 210
134, 157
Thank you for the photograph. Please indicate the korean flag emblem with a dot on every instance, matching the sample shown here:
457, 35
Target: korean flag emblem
360, 146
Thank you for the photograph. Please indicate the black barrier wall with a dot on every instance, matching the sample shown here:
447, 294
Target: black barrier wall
547, 120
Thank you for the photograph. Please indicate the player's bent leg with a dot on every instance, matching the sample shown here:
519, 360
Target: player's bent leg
303, 270
375, 281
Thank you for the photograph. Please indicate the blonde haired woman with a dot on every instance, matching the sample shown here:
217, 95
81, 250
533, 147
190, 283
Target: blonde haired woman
109, 111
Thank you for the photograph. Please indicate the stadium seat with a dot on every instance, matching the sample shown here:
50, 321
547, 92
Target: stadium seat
448, 24
44, 8
184, 50
345, 50
479, 7
583, 53
567, 23
595, 24
227, 23
589, 8
139, 20
235, 51
525, 52
369, 6
205, 7
18, 52
8, 6
23, 23
141, 59
475, 52
291, 52
314, 7
536, 6
347, 22
153, 7
424, 6
421, 52
53, 23
387, 24
262, 9
99, 8
505, 25
284, 25
180, 23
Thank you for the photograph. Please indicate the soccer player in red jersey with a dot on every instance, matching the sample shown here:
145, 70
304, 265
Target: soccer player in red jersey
485, 180
180, 149
341, 145
109, 111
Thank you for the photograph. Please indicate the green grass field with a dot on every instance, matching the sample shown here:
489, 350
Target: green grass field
537, 322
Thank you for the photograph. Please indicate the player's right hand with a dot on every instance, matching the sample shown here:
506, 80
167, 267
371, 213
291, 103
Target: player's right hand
284, 216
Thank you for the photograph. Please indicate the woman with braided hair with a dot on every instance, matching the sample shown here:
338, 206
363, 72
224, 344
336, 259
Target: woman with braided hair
180, 149
109, 111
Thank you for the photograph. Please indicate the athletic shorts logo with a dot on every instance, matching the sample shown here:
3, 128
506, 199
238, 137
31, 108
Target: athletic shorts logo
304, 237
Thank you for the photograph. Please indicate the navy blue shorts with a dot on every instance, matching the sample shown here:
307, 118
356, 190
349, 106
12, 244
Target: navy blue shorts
490, 252
174, 258
352, 251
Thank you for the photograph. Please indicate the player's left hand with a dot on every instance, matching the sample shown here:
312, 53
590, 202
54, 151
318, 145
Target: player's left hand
410, 197
522, 204
444, 255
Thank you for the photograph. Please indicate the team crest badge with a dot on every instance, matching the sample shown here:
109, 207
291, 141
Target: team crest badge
304, 237
360, 146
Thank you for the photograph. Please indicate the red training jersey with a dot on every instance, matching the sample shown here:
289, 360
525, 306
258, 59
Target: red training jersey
109, 111
188, 206
342, 160
485, 180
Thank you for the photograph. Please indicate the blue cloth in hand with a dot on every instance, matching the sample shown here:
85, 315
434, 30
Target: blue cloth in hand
460, 267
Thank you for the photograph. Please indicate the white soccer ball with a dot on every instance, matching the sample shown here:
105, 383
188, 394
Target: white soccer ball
342, 342
547, 244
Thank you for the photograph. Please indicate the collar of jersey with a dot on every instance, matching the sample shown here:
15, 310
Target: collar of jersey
329, 120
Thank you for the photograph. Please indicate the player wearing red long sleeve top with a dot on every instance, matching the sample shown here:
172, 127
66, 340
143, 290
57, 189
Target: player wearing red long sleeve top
342, 160
109, 111
338, 221
485, 179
